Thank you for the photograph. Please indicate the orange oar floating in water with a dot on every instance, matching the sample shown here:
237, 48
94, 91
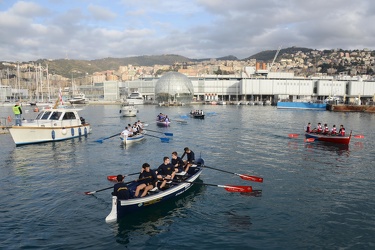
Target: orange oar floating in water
293, 135
359, 136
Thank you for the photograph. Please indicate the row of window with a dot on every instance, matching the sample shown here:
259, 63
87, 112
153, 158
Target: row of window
55, 115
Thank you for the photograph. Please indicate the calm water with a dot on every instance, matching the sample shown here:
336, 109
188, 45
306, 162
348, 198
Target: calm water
314, 195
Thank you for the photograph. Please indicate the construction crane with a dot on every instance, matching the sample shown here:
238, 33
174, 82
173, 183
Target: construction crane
273, 61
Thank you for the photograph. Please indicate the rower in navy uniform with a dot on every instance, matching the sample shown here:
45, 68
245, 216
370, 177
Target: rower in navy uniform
165, 172
147, 179
120, 189
190, 158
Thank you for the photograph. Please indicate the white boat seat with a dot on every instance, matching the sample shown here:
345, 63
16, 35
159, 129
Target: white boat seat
181, 173
154, 189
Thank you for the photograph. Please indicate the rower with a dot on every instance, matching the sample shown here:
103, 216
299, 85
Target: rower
342, 130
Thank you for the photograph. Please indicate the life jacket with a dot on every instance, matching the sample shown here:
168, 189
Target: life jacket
343, 131
16, 110
334, 130
319, 128
326, 130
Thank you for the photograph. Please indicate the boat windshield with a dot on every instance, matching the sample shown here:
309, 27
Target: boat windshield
45, 115
69, 116
55, 115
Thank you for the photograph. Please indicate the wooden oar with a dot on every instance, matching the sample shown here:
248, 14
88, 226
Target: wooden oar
114, 177
93, 192
243, 176
167, 134
163, 139
101, 140
229, 188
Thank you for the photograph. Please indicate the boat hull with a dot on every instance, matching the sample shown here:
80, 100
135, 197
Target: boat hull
122, 208
163, 124
196, 116
301, 105
77, 101
330, 138
135, 101
130, 140
129, 111
23, 135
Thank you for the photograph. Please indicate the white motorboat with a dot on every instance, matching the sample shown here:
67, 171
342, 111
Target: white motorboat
136, 98
128, 109
51, 124
78, 99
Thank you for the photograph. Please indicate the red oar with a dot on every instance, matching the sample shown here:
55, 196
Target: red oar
114, 177
309, 140
293, 135
243, 176
359, 136
229, 188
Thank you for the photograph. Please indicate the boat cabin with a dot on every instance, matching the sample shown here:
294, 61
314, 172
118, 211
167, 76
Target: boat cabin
56, 118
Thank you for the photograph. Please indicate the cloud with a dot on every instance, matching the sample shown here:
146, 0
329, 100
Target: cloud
192, 28
101, 13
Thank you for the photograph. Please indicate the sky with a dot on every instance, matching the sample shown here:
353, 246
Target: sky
197, 29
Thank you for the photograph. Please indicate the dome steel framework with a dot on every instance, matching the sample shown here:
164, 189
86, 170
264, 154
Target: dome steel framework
174, 87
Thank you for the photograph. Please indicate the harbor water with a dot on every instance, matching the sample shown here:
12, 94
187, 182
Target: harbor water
314, 195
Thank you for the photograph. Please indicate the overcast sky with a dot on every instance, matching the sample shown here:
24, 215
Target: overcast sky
93, 29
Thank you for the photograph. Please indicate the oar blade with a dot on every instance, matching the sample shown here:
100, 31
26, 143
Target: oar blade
112, 178
251, 178
239, 189
164, 139
92, 192
359, 136
293, 135
309, 140
168, 134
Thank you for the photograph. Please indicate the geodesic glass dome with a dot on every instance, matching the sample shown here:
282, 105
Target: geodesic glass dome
174, 87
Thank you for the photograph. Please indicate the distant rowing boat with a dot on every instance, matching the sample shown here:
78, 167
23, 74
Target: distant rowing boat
330, 138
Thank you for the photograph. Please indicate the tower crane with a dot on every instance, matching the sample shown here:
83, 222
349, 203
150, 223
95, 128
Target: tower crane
273, 61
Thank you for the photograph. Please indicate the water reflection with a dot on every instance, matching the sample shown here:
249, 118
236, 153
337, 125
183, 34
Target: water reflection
340, 149
151, 222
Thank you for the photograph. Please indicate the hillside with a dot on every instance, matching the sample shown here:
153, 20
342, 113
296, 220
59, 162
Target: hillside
268, 55
66, 67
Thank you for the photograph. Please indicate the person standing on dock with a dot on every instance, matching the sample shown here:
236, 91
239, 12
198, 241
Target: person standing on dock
17, 113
